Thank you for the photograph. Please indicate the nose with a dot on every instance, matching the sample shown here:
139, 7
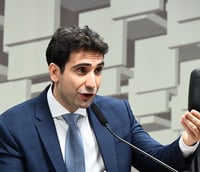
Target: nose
91, 81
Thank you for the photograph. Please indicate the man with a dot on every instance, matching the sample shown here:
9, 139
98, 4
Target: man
32, 134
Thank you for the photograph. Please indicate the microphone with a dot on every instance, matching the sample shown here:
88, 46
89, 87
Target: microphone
194, 90
100, 116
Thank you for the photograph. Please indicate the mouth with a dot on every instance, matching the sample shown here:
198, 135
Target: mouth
86, 96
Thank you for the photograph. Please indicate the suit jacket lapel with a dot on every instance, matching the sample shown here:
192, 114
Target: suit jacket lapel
105, 142
47, 132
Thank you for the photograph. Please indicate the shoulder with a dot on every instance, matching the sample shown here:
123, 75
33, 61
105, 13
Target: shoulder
24, 109
100, 99
19, 108
117, 112
111, 102
114, 106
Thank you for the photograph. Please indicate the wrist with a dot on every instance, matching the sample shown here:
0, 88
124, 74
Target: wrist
187, 140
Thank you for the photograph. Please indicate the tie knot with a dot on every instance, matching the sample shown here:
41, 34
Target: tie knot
71, 118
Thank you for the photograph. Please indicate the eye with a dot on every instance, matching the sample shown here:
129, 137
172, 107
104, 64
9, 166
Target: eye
98, 70
82, 70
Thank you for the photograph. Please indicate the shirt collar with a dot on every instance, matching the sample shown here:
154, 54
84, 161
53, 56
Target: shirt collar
57, 109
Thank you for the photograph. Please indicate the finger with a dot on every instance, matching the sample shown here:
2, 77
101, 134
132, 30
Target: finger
188, 137
193, 117
195, 113
187, 128
190, 127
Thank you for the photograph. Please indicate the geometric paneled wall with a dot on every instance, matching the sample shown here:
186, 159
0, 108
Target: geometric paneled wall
154, 46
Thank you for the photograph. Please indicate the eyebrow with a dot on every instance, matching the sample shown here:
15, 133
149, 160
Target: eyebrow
88, 64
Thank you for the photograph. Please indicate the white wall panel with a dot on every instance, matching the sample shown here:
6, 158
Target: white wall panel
3, 72
113, 32
27, 60
182, 10
126, 8
39, 87
155, 65
111, 80
165, 136
11, 96
150, 103
183, 22
30, 19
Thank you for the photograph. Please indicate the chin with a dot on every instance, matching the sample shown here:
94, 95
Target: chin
85, 104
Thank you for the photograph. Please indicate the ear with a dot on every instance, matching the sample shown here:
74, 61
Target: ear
54, 72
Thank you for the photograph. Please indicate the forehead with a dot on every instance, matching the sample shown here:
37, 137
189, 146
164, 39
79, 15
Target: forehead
85, 56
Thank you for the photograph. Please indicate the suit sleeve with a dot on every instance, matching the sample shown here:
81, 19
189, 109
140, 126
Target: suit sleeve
170, 154
11, 158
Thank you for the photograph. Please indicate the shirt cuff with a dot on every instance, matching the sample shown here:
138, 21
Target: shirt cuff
185, 149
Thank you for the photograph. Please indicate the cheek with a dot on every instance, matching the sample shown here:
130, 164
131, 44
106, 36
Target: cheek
73, 83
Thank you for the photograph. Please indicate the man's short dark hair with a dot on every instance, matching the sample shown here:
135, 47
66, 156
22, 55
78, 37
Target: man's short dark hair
69, 39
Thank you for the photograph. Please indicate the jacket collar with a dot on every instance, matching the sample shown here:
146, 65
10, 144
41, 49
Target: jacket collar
47, 132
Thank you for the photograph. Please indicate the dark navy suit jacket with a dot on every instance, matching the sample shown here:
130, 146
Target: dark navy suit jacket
28, 139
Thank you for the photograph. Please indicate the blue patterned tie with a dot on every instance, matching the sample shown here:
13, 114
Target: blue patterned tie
74, 153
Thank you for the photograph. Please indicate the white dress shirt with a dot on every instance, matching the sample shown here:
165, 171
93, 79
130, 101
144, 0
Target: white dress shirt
93, 159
